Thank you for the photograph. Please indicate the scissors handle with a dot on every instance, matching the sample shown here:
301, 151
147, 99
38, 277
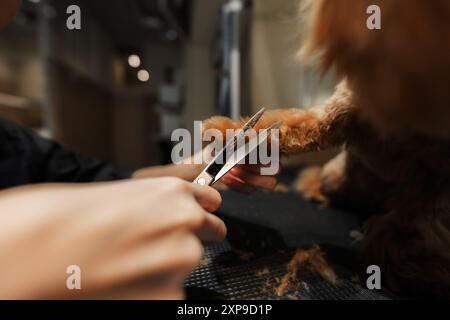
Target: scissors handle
204, 179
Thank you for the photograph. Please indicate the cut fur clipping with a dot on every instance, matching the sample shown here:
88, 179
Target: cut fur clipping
313, 260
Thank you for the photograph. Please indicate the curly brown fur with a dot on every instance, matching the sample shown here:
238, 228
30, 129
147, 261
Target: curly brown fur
309, 183
399, 74
314, 260
303, 130
392, 113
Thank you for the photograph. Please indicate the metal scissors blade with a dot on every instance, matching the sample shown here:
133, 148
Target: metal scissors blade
254, 120
243, 151
249, 125
207, 177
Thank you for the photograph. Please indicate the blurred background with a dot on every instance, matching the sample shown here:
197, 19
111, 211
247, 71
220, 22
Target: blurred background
138, 69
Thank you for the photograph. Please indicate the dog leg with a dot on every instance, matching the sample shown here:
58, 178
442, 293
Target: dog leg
322, 184
304, 130
309, 184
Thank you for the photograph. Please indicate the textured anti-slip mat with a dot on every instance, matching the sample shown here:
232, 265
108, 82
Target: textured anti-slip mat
264, 231
228, 274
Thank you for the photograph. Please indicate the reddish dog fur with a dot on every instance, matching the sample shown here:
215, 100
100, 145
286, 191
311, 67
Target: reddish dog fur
392, 113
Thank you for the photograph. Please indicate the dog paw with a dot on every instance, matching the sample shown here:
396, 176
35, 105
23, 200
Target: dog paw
309, 184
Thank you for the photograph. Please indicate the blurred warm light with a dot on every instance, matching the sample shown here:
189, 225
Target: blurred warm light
134, 61
143, 75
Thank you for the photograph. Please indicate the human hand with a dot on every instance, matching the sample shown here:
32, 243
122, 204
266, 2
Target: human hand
242, 178
134, 239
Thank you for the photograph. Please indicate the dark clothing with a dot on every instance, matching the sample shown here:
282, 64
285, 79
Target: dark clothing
26, 158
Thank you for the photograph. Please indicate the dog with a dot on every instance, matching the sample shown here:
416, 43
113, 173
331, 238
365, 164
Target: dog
391, 112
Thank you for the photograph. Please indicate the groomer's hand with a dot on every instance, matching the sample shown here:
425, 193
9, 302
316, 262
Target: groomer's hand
242, 178
135, 239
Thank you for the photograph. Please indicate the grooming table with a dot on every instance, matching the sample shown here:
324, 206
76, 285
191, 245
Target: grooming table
264, 232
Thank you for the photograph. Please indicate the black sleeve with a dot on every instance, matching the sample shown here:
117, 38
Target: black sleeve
27, 158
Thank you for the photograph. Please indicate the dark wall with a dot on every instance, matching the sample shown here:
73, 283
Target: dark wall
82, 113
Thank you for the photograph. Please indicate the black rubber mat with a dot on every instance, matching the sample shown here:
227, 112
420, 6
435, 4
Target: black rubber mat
264, 230
228, 274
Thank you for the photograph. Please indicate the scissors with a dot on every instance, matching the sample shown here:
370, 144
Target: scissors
217, 168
